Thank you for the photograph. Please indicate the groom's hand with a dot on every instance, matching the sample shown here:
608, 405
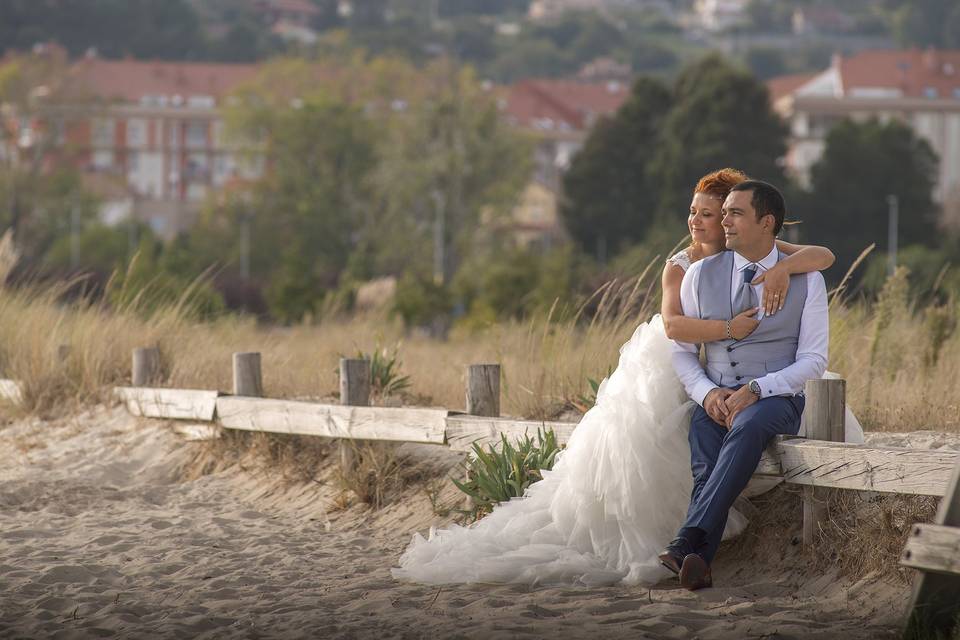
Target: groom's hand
737, 402
715, 406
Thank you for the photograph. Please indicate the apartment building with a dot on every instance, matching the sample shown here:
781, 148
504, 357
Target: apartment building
153, 131
559, 115
920, 88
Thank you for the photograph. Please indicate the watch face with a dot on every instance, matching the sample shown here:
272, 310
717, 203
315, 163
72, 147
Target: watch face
755, 387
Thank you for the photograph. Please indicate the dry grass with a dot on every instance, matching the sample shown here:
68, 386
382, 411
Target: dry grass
864, 535
901, 363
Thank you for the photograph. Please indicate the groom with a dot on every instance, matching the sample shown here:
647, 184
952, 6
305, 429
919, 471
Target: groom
749, 390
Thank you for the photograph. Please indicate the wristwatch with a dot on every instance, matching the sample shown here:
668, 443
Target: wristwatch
755, 388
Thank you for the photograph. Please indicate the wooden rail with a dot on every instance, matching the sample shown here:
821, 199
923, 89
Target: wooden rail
332, 420
805, 462
799, 461
177, 404
10, 391
934, 549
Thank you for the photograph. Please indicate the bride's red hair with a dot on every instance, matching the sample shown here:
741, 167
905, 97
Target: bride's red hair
719, 183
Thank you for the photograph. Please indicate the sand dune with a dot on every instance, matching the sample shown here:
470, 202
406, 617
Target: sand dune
101, 537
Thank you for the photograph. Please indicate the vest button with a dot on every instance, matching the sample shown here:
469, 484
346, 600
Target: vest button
733, 364
738, 377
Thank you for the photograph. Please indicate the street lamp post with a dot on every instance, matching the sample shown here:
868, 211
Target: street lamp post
893, 222
74, 236
245, 244
439, 231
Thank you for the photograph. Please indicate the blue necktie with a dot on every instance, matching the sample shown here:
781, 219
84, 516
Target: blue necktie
746, 297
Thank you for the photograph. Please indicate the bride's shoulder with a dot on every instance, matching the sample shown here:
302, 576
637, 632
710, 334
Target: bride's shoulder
680, 259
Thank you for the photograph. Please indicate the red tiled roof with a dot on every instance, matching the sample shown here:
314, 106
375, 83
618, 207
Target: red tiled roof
562, 104
912, 71
785, 85
131, 80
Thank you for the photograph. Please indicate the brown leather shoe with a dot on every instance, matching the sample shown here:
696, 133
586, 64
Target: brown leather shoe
670, 560
695, 573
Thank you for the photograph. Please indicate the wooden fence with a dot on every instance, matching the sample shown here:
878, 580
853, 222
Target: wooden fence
934, 550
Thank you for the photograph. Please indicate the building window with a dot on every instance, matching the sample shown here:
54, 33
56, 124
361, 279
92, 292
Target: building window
820, 125
196, 135
102, 132
136, 133
201, 102
930, 92
158, 225
197, 168
217, 134
103, 160
133, 161
173, 134
59, 132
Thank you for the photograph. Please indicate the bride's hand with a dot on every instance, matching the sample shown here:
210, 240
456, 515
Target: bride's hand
744, 324
776, 282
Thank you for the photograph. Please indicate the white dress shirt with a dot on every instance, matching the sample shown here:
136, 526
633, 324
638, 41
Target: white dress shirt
812, 347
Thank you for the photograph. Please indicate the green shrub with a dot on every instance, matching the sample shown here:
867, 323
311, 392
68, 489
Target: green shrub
385, 376
585, 401
419, 301
495, 476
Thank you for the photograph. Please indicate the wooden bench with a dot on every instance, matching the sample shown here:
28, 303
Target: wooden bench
934, 549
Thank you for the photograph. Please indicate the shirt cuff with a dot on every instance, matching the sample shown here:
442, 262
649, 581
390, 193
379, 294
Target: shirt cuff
767, 387
700, 391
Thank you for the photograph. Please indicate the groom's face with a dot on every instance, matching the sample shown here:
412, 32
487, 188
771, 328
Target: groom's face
741, 228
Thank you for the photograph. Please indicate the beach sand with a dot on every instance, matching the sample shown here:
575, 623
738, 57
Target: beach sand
104, 532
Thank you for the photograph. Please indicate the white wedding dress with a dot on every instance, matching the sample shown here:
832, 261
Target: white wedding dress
616, 495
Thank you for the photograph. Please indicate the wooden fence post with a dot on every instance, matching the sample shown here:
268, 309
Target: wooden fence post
247, 379
483, 390
824, 416
146, 366
354, 391
935, 604
483, 398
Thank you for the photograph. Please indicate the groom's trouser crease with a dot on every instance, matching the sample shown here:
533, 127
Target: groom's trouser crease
723, 461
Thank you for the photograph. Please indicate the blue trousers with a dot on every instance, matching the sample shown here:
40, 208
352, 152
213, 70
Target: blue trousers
723, 461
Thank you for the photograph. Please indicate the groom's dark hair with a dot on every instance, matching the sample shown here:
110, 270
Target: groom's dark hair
767, 201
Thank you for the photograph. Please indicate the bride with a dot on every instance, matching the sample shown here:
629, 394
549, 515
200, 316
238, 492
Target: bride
621, 487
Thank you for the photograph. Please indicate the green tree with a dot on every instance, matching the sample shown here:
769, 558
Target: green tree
925, 23
453, 8
766, 62
368, 175
610, 194
164, 29
309, 206
447, 159
721, 118
29, 86
861, 165
147, 283
770, 16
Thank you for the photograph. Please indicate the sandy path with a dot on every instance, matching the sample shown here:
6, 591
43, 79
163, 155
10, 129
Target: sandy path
98, 538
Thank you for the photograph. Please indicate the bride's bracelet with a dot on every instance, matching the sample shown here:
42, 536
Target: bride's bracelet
729, 335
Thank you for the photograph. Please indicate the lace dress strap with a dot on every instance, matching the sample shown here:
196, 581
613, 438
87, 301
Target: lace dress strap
681, 259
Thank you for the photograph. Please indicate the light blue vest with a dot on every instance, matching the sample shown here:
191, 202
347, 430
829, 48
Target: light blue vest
773, 344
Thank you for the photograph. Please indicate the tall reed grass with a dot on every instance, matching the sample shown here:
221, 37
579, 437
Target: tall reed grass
901, 362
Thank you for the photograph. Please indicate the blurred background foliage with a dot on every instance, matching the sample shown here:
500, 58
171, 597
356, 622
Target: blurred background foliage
394, 161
